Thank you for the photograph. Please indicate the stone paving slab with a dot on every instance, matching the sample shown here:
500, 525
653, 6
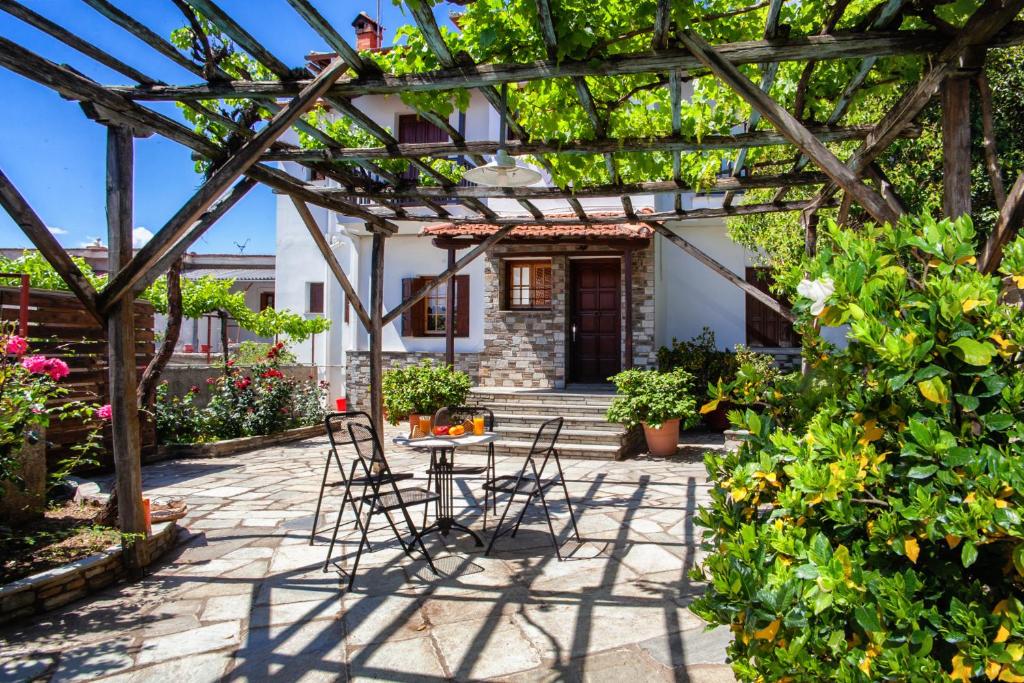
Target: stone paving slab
246, 597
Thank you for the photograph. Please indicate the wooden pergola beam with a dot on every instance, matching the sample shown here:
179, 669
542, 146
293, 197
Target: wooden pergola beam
983, 29
35, 229
789, 126
721, 270
225, 174
722, 184
674, 143
447, 274
1010, 218
841, 45
332, 261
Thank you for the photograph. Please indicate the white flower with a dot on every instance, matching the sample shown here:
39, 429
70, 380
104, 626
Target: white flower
817, 291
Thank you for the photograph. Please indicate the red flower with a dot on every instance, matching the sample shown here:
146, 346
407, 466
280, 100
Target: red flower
272, 373
16, 345
231, 362
194, 389
105, 412
243, 383
211, 380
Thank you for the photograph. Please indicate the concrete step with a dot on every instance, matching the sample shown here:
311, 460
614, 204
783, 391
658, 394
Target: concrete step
592, 422
549, 398
566, 436
534, 408
513, 448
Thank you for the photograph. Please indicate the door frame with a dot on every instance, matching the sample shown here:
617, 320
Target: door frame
570, 309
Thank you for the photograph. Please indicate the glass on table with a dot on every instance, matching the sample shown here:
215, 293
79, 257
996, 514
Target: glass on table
478, 425
424, 425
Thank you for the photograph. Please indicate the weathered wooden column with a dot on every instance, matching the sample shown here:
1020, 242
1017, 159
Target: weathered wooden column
377, 331
121, 350
956, 145
627, 264
449, 317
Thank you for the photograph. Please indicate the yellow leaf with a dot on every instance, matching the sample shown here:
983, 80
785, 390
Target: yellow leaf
739, 493
1010, 677
709, 406
960, 672
1016, 651
966, 259
768, 632
1002, 634
815, 500
952, 541
865, 666
992, 670
970, 304
872, 432
935, 390
911, 548
1000, 503
1019, 281
1002, 607
970, 498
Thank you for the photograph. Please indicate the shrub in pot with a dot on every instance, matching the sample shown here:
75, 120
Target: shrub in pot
658, 401
870, 528
422, 389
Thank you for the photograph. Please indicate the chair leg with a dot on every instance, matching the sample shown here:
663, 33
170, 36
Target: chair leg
568, 505
522, 514
359, 552
320, 499
497, 529
405, 548
430, 479
334, 537
551, 529
492, 475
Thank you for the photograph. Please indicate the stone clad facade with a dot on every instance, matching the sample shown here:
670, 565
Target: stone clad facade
526, 348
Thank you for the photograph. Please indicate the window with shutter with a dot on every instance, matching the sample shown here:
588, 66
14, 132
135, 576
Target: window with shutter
765, 327
412, 128
428, 316
315, 302
528, 284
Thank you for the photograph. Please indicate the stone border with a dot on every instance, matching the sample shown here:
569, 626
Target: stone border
221, 449
61, 585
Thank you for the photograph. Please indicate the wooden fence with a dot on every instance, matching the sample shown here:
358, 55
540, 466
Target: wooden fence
59, 326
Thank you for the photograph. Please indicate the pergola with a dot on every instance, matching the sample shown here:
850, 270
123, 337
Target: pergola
675, 52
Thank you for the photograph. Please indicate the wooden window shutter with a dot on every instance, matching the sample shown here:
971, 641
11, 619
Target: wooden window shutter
461, 305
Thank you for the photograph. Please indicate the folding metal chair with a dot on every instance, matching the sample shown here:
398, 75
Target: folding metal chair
384, 498
457, 415
337, 435
530, 482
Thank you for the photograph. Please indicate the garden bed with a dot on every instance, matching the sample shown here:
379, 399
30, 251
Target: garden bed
88, 566
221, 449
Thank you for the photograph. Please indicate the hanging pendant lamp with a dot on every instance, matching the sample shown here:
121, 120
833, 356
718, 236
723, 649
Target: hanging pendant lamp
503, 170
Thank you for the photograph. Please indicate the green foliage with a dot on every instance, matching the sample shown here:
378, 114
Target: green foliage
423, 389
870, 528
652, 397
245, 401
251, 352
700, 358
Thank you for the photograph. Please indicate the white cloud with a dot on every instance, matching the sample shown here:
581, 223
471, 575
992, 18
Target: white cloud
140, 236
56, 231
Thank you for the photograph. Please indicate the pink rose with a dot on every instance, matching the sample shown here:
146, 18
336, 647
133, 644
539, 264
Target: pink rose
105, 412
16, 345
57, 369
34, 364
194, 389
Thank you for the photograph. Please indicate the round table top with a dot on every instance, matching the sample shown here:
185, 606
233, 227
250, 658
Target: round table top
446, 441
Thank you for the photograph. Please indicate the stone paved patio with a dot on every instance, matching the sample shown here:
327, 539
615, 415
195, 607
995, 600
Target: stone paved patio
245, 598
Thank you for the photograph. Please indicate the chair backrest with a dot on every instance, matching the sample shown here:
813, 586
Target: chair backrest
459, 414
368, 449
336, 424
543, 445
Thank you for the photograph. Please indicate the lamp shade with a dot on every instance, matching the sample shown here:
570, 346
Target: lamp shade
503, 171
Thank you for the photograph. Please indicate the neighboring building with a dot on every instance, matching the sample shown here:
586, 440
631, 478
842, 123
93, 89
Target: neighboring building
545, 307
252, 273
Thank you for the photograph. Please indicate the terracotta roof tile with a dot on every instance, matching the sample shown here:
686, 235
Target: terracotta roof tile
620, 231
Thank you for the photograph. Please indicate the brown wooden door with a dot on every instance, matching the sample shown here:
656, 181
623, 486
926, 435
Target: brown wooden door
594, 333
765, 327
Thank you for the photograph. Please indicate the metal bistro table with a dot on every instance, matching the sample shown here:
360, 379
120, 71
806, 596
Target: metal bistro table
443, 470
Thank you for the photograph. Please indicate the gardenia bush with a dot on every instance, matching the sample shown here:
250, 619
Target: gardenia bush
652, 397
245, 401
870, 528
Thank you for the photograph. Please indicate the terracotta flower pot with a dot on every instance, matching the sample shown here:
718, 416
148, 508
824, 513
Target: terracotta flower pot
718, 419
664, 440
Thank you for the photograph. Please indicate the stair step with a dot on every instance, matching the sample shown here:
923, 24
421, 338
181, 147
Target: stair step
571, 421
521, 448
566, 436
530, 407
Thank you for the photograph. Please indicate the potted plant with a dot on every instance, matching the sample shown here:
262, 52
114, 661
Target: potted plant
422, 389
659, 401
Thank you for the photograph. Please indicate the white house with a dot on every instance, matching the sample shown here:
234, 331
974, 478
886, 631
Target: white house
545, 307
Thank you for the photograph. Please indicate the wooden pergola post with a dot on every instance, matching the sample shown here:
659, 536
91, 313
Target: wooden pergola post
449, 317
121, 351
956, 145
376, 331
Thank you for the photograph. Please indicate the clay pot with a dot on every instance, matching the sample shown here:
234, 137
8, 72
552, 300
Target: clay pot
664, 440
718, 419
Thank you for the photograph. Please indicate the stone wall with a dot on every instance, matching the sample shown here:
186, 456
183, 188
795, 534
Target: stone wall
181, 378
56, 587
787, 359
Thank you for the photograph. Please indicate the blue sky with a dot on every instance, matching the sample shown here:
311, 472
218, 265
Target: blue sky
55, 156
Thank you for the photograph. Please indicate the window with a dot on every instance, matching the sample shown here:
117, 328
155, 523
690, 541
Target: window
428, 317
315, 301
436, 310
266, 300
765, 327
413, 129
528, 284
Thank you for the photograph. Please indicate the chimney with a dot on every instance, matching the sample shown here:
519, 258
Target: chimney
368, 32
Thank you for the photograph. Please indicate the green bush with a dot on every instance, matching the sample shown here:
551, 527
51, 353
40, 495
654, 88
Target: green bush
870, 529
422, 389
252, 352
652, 397
701, 358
